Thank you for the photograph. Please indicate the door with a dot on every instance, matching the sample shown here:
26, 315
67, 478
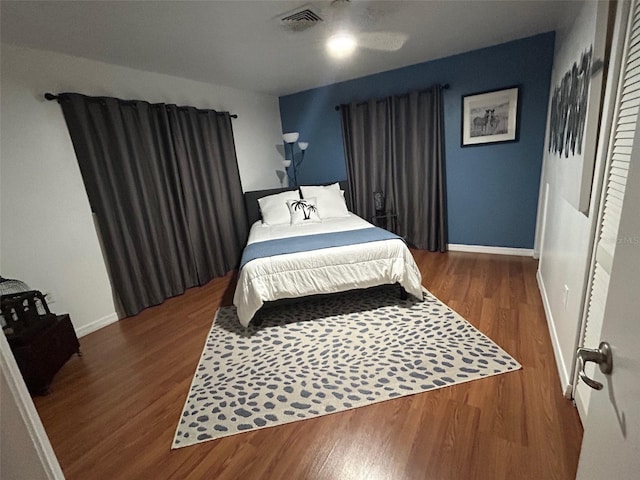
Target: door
611, 443
622, 93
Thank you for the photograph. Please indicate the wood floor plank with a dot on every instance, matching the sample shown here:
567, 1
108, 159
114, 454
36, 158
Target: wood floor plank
112, 413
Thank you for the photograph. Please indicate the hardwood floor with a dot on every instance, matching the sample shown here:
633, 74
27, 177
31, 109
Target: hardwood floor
112, 413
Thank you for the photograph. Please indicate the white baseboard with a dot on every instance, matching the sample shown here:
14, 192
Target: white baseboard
521, 252
96, 324
563, 373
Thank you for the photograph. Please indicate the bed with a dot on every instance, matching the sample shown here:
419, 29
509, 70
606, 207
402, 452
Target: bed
334, 253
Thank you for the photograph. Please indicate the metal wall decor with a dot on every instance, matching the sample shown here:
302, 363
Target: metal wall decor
569, 108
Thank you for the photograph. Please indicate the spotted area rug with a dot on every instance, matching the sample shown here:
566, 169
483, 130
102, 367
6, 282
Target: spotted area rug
326, 355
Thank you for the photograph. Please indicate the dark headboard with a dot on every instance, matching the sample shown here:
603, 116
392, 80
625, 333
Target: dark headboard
251, 199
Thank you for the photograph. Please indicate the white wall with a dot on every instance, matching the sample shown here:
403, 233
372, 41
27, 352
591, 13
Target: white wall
18, 457
25, 451
47, 236
564, 233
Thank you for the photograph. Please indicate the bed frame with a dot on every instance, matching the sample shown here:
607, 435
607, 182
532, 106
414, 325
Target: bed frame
253, 209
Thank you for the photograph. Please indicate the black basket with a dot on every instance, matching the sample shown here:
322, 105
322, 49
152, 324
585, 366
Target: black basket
25, 313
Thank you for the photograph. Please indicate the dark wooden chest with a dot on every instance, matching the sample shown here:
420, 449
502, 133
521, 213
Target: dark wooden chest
40, 352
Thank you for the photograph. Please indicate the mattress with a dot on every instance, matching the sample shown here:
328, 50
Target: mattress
322, 271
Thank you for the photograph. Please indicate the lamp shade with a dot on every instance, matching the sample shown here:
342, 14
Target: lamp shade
303, 145
290, 137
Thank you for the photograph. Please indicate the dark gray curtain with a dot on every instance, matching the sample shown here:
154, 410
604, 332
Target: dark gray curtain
164, 186
396, 145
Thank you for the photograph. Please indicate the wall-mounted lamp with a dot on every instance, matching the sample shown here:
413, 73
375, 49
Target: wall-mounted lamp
290, 139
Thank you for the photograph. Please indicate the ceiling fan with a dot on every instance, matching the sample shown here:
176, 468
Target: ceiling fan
344, 19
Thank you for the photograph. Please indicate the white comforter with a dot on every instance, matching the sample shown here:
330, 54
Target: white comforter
328, 270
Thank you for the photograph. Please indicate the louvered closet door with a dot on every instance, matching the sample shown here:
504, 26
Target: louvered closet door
617, 167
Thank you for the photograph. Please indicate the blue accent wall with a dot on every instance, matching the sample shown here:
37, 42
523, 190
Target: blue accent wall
492, 190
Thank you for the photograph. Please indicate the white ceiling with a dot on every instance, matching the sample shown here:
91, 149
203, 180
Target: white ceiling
240, 43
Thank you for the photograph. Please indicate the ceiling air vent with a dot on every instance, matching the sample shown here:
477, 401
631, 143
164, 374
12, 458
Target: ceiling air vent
300, 19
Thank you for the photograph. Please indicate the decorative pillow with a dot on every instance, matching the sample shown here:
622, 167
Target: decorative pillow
274, 208
303, 211
330, 200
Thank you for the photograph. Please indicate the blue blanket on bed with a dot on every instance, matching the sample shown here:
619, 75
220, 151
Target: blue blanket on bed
305, 243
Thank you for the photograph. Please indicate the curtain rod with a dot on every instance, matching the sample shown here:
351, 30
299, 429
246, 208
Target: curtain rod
444, 87
51, 96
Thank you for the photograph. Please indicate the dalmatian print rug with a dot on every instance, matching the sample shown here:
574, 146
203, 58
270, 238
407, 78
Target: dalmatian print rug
326, 355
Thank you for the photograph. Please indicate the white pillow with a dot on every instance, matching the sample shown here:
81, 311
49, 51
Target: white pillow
331, 203
274, 207
329, 199
303, 211
309, 191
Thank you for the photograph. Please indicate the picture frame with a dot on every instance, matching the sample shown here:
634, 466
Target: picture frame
490, 117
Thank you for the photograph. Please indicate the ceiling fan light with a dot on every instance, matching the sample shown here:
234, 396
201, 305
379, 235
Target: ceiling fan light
341, 45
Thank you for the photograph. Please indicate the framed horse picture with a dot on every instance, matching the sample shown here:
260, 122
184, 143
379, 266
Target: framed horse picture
490, 117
